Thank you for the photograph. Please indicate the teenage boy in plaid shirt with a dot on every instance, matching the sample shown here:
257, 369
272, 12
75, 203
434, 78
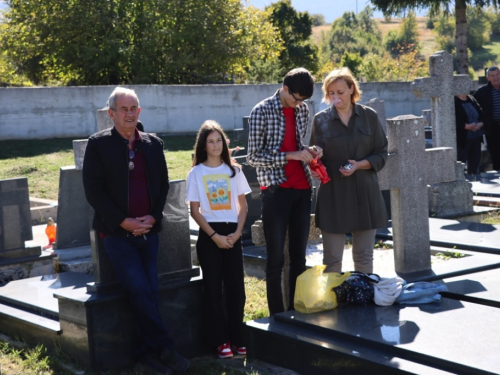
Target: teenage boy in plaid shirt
278, 126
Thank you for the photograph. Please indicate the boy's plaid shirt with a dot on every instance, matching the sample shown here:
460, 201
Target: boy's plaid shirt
266, 134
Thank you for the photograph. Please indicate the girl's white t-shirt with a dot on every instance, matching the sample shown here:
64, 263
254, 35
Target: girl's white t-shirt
216, 191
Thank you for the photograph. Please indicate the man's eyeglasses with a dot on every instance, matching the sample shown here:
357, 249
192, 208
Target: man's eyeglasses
297, 100
131, 154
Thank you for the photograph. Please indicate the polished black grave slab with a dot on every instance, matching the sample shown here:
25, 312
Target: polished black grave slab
487, 184
482, 287
460, 235
442, 337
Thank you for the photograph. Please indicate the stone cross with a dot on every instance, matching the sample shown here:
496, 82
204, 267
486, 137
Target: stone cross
452, 198
379, 107
409, 169
441, 87
259, 240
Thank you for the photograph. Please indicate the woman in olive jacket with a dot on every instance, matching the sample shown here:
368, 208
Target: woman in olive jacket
354, 150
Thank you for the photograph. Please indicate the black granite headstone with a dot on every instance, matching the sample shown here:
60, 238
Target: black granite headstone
253, 199
73, 210
15, 219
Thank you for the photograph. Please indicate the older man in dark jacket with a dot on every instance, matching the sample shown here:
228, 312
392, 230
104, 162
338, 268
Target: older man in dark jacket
488, 97
126, 182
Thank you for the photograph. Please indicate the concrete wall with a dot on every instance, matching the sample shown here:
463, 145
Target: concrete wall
70, 112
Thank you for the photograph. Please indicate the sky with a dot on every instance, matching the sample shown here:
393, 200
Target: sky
330, 9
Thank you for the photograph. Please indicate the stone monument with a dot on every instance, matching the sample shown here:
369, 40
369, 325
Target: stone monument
409, 169
15, 219
18, 261
379, 107
452, 198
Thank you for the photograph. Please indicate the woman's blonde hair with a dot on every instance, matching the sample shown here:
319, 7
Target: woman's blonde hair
347, 76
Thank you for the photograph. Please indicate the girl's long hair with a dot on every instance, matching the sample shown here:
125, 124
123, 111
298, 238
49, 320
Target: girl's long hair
200, 151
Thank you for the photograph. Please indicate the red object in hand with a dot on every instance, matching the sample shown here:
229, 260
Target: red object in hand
318, 167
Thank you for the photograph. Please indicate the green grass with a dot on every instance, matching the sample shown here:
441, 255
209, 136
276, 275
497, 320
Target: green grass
493, 218
489, 52
41, 160
38, 361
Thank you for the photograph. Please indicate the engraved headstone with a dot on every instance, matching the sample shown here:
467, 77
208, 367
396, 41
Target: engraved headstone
15, 219
452, 198
409, 169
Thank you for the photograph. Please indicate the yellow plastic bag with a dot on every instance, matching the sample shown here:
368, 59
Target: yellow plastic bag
313, 291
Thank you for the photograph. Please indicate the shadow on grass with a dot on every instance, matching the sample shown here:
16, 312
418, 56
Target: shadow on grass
489, 52
34, 147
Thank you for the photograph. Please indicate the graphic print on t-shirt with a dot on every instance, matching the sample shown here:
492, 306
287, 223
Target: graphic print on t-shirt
218, 189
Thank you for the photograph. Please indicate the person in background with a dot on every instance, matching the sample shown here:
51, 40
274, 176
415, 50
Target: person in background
355, 149
488, 98
469, 122
277, 128
125, 179
216, 189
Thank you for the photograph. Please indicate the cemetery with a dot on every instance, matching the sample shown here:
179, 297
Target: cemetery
68, 297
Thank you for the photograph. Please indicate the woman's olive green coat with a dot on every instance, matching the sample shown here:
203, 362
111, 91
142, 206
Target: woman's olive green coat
349, 204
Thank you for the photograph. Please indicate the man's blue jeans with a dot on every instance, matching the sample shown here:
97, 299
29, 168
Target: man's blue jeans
134, 260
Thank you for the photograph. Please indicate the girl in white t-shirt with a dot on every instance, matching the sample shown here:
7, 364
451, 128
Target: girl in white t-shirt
216, 189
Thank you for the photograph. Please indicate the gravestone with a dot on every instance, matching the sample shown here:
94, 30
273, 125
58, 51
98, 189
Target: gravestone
72, 205
15, 220
73, 210
103, 119
379, 107
441, 87
253, 199
174, 255
451, 198
409, 169
241, 134
79, 147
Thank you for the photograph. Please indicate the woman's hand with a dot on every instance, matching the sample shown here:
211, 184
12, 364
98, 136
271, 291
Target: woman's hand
316, 152
232, 238
221, 241
348, 172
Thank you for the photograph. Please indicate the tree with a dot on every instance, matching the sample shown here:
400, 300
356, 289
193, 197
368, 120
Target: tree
353, 34
407, 35
398, 6
295, 29
93, 42
318, 19
352, 61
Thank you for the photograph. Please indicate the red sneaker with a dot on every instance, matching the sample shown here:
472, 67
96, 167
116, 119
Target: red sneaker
224, 351
241, 350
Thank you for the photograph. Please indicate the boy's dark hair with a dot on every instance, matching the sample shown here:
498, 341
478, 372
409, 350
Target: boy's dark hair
300, 82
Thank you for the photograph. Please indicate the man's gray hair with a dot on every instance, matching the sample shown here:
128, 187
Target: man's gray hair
491, 69
121, 91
